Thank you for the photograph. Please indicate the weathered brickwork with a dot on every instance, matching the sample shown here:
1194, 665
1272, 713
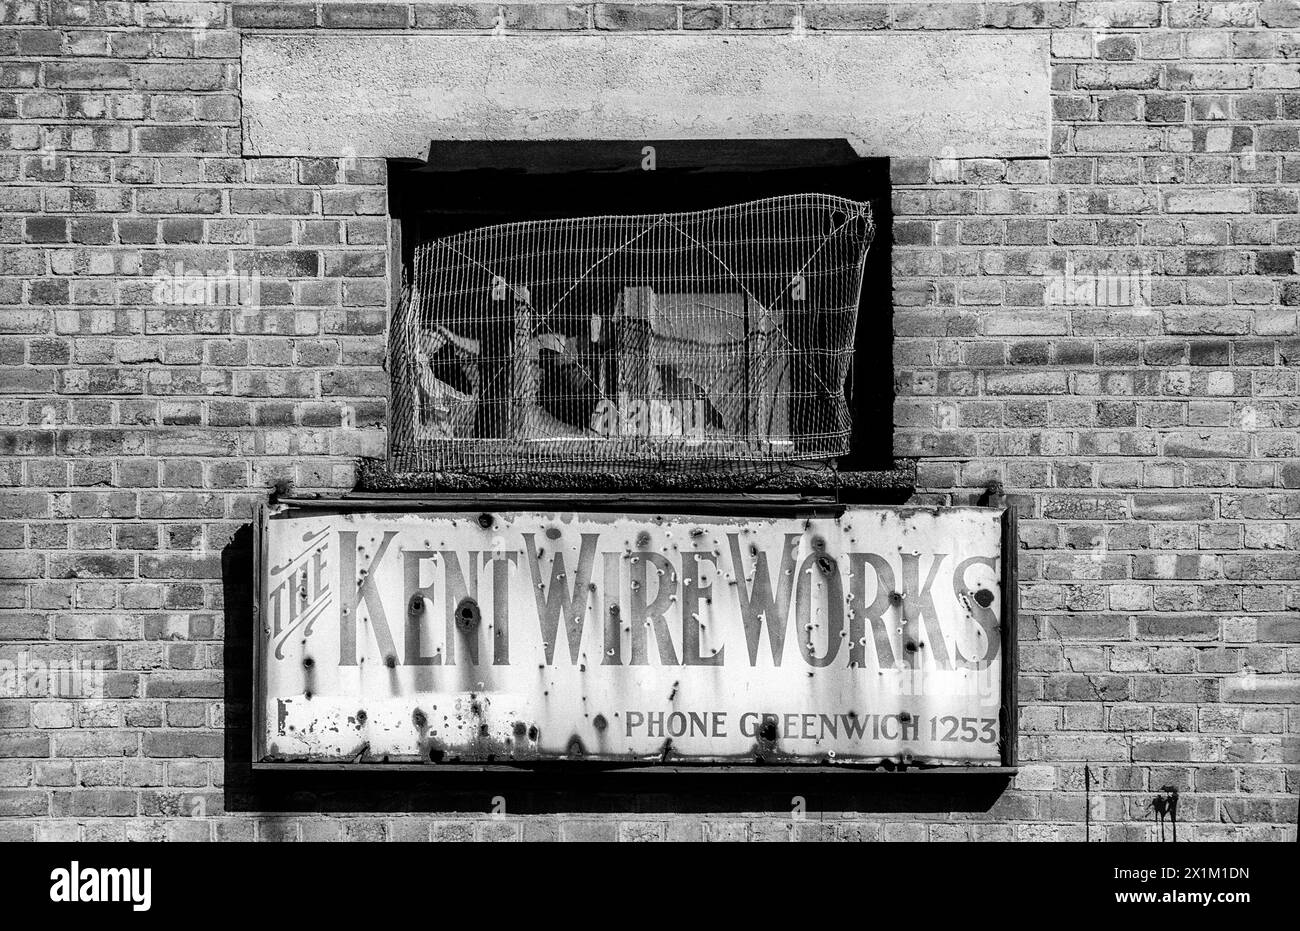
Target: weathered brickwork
1111, 334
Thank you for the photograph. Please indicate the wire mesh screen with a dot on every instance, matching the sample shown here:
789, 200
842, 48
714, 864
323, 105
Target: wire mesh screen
720, 339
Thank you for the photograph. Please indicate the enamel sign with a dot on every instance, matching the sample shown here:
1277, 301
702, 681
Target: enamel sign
467, 637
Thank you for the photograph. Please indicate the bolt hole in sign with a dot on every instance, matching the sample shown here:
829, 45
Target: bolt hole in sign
876, 636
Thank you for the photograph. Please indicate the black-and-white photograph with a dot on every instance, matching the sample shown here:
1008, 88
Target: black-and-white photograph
683, 422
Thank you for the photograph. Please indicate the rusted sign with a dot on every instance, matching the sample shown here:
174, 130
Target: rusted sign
446, 637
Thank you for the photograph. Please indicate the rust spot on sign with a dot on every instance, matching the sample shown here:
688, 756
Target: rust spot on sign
468, 615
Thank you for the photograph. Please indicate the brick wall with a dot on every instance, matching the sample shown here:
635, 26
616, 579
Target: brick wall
1152, 446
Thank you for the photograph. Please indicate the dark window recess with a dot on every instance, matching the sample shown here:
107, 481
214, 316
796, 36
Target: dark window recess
636, 315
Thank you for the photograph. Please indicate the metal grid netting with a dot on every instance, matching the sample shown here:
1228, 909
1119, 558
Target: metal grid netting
719, 339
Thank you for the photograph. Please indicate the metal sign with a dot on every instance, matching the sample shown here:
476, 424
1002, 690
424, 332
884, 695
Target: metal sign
456, 637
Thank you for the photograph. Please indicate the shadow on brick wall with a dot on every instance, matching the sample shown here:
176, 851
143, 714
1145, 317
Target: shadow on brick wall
554, 787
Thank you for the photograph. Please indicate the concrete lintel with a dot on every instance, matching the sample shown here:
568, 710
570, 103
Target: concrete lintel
957, 96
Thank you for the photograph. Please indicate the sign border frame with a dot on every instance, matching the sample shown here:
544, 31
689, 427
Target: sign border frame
767, 505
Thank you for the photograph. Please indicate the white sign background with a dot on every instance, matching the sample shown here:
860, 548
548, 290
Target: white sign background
631, 637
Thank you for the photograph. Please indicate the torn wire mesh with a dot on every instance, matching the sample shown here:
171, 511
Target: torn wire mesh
718, 340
